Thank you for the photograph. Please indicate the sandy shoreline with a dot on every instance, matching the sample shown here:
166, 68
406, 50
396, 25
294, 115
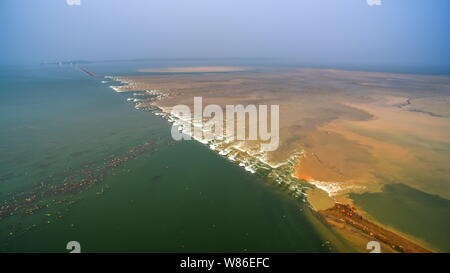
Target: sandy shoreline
296, 164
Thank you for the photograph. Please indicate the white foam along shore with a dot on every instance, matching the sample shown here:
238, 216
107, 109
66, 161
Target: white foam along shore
331, 188
126, 84
235, 151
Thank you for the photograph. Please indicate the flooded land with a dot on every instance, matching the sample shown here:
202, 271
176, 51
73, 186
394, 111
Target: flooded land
349, 133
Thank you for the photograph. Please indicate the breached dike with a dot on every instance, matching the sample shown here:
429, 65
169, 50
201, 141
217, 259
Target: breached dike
251, 161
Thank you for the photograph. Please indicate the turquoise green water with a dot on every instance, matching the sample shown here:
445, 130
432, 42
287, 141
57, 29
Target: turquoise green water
60, 127
181, 198
423, 216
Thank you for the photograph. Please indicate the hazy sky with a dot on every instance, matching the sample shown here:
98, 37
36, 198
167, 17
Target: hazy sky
397, 32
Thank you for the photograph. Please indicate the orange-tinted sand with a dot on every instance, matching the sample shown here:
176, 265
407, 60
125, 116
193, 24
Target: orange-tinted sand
355, 130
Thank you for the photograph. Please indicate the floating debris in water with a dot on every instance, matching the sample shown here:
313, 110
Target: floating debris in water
42, 195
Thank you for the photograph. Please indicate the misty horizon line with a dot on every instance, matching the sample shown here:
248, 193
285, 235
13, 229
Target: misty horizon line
282, 61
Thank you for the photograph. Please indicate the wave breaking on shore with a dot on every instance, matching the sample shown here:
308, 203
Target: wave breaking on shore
237, 152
